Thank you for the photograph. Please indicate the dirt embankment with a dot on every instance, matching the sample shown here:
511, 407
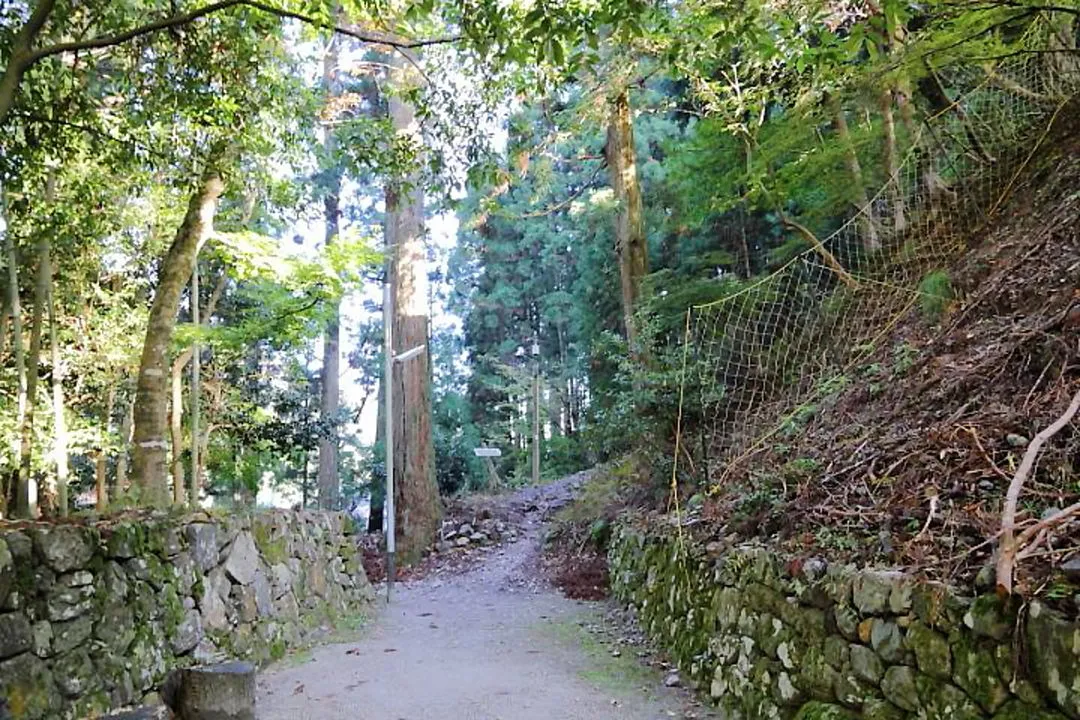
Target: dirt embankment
907, 463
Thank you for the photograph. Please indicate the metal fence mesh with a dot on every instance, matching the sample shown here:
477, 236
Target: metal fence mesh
770, 351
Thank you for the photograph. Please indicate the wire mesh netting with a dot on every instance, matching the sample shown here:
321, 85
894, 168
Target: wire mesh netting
775, 346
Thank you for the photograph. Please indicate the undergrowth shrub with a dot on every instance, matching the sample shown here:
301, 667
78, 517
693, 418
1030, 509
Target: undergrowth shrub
935, 294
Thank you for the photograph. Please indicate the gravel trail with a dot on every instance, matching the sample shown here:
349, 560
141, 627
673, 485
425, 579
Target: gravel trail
491, 643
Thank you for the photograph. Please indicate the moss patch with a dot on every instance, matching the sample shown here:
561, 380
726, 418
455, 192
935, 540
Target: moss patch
274, 550
602, 670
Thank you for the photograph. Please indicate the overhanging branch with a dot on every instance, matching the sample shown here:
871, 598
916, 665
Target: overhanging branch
364, 35
368, 36
90, 130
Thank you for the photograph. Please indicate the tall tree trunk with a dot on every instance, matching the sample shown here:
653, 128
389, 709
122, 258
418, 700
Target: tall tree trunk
571, 406
196, 388
201, 438
125, 448
60, 436
176, 428
1063, 61
562, 408
932, 90
198, 470
151, 396
554, 404
871, 241
568, 406
19, 484
744, 246
33, 365
304, 482
329, 481
892, 162
42, 283
902, 88
907, 112
5, 316
630, 241
101, 459
177, 405
101, 485
418, 508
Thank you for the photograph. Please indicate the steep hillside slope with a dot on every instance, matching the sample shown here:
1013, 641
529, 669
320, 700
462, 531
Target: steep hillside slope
906, 463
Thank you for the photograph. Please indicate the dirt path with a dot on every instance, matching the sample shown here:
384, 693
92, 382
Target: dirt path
492, 643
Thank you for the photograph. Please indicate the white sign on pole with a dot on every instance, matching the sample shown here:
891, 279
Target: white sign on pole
487, 452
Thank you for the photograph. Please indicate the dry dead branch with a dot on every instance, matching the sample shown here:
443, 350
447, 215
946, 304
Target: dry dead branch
1009, 542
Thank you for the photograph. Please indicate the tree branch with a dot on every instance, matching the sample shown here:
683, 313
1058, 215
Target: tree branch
19, 60
23, 57
1056, 519
1009, 545
122, 37
33, 26
566, 202
97, 132
1018, 4
925, 54
369, 36
821, 250
179, 19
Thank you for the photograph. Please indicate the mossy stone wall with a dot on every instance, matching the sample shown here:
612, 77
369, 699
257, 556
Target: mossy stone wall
815, 641
92, 617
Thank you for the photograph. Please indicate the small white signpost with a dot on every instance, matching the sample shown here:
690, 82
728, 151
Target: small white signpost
487, 453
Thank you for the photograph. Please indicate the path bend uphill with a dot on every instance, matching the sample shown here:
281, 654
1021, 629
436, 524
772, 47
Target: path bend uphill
491, 643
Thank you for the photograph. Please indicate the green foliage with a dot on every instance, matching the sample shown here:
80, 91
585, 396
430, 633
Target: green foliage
935, 294
832, 386
763, 497
796, 422
602, 499
904, 357
801, 468
735, 116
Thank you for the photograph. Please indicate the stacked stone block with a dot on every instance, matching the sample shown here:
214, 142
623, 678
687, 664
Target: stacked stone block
815, 641
93, 617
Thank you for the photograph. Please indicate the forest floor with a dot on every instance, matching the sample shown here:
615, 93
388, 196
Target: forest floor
483, 636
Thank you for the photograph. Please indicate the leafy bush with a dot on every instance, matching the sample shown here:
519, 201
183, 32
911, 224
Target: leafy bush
935, 294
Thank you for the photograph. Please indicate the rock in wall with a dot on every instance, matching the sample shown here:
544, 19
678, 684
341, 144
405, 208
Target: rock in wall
816, 641
93, 616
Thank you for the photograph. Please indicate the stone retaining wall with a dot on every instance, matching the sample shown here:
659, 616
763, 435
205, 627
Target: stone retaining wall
93, 617
818, 641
